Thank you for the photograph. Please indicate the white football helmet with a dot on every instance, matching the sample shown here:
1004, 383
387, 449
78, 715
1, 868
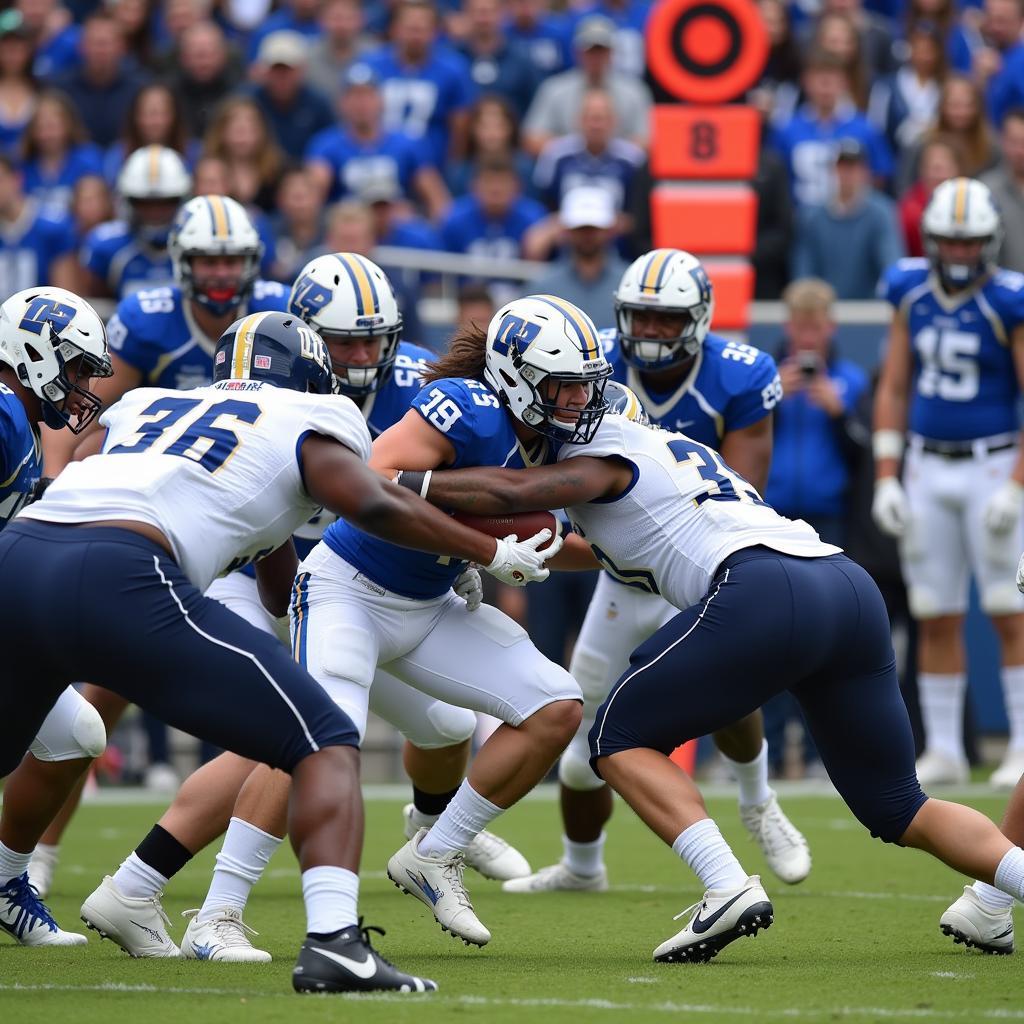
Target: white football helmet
345, 296
152, 174
623, 401
42, 331
672, 282
963, 209
214, 226
537, 340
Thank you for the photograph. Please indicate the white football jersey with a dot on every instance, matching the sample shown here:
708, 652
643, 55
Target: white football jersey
215, 469
683, 515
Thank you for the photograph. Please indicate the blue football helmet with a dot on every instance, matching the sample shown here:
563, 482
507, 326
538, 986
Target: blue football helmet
278, 348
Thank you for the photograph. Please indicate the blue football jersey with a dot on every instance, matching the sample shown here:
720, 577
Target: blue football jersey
381, 409
419, 100
731, 386
965, 383
469, 414
391, 156
111, 253
21, 460
30, 245
153, 331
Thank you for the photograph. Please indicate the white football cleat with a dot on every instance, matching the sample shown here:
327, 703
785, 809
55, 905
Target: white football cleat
224, 938
437, 882
138, 926
488, 854
41, 869
783, 845
969, 921
716, 921
558, 878
1006, 776
937, 769
25, 917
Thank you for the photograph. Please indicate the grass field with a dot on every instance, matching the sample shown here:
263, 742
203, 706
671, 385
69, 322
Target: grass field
858, 941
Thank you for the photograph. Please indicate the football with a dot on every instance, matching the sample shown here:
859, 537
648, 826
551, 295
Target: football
523, 524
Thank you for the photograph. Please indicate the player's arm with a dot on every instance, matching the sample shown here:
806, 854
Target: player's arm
491, 492
1017, 343
749, 451
411, 443
338, 479
891, 400
274, 576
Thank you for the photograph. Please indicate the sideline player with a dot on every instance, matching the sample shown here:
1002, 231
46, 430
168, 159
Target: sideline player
52, 345
126, 255
381, 374
187, 487
669, 512
949, 393
722, 394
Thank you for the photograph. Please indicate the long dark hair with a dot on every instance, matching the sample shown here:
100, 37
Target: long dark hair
464, 358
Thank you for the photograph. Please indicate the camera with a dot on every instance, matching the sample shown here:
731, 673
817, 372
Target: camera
808, 363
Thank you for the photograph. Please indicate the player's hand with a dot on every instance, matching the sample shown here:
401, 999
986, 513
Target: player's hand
890, 509
1004, 507
470, 588
518, 562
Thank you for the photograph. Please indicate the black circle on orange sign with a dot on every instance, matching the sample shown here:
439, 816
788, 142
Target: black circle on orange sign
706, 51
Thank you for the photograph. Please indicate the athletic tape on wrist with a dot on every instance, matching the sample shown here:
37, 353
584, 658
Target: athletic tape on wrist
887, 444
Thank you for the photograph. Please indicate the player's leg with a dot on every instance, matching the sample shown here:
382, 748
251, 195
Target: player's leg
195, 664
539, 704
46, 855
983, 916
993, 560
934, 557
436, 751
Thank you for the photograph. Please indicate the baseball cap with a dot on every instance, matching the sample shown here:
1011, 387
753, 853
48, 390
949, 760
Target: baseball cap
359, 73
587, 206
284, 47
596, 30
13, 24
381, 188
851, 150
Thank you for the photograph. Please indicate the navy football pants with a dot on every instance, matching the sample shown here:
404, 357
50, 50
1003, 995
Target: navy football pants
107, 605
770, 622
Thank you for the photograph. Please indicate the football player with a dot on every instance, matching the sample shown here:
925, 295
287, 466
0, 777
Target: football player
668, 513
949, 393
186, 488
129, 254
359, 604
722, 394
381, 374
52, 345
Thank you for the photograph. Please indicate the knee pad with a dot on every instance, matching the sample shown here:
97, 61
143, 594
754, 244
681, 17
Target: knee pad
1001, 598
451, 725
345, 654
590, 670
574, 771
88, 731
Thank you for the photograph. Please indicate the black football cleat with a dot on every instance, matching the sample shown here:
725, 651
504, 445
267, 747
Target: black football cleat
349, 963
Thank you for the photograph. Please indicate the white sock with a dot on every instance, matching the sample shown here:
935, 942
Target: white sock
1013, 694
243, 858
752, 777
421, 820
138, 880
47, 852
331, 895
584, 859
1010, 873
994, 899
462, 821
709, 856
12, 864
942, 711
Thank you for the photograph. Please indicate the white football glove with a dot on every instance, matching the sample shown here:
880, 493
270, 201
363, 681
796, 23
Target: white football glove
890, 509
470, 588
1004, 507
518, 562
